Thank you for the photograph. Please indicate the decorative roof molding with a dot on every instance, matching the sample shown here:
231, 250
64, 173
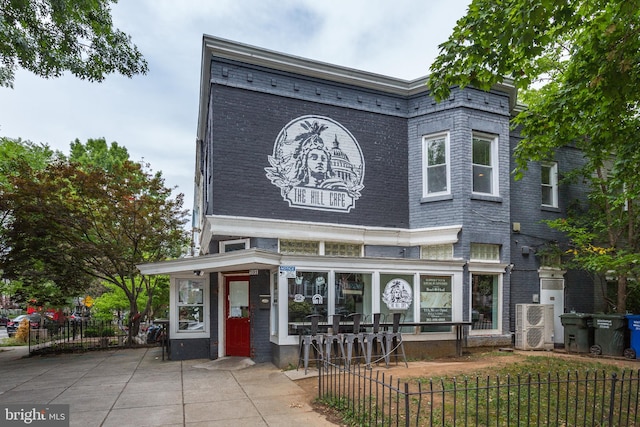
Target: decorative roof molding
222, 225
215, 46
253, 258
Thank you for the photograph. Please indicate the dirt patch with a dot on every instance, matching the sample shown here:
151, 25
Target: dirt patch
451, 367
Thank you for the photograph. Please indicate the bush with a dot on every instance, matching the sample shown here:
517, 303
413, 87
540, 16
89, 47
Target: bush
94, 331
22, 333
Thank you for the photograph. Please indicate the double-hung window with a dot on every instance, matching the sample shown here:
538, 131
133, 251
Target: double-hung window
549, 182
485, 164
435, 150
191, 303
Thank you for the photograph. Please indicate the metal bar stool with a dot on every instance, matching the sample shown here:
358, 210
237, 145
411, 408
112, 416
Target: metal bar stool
310, 338
334, 338
354, 337
393, 340
374, 338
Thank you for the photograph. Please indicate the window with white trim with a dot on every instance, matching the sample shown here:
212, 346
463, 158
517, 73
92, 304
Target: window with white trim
435, 159
191, 301
234, 245
342, 249
313, 247
299, 247
549, 183
485, 252
485, 301
438, 252
485, 164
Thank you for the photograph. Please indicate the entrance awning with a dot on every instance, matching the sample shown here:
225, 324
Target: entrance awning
248, 259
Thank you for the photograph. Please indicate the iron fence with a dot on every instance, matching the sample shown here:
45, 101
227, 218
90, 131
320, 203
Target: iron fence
73, 335
371, 398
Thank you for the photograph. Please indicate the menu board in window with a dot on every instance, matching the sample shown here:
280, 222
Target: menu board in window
435, 299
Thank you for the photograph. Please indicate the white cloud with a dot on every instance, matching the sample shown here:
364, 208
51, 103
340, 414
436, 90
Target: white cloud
154, 116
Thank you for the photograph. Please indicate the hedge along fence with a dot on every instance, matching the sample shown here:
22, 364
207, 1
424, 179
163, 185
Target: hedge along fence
74, 335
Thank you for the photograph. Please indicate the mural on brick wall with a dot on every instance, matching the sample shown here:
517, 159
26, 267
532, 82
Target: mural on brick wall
317, 164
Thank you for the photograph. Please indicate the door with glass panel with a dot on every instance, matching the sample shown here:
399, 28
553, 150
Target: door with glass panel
238, 328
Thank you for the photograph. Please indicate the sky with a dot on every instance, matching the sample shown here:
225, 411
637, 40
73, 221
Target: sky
155, 115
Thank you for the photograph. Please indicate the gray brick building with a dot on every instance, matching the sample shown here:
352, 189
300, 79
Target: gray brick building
325, 190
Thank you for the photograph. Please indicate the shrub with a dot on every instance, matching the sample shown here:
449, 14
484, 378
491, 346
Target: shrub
22, 333
95, 331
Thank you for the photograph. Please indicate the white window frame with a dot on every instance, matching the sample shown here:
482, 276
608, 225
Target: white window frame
425, 164
357, 246
493, 158
442, 251
223, 244
319, 246
484, 248
553, 183
176, 332
492, 271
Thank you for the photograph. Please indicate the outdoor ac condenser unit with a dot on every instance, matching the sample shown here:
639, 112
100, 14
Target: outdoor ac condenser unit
534, 326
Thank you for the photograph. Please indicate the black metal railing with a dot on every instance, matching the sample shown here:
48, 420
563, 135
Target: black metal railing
592, 398
72, 335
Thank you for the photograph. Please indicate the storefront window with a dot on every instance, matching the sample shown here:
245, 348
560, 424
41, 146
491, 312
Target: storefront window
307, 294
435, 302
397, 297
190, 305
484, 306
353, 294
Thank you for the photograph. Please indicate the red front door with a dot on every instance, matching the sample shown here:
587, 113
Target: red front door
238, 329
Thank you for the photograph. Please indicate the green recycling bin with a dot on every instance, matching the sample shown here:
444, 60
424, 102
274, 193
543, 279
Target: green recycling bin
578, 332
610, 334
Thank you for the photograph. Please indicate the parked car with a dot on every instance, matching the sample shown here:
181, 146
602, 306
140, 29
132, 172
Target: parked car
78, 317
12, 325
3, 320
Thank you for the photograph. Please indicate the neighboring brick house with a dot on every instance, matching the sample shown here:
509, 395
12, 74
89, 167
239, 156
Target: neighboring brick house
324, 189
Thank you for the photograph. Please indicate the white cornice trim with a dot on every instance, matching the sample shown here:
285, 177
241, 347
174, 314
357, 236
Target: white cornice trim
260, 259
486, 267
222, 225
308, 67
223, 48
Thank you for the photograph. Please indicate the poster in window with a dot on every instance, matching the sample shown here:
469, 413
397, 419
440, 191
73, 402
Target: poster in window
190, 292
435, 299
397, 294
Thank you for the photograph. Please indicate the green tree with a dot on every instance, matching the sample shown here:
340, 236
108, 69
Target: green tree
114, 300
576, 63
16, 151
49, 37
73, 224
14, 154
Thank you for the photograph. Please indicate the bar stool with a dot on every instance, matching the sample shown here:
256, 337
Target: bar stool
356, 336
308, 340
374, 338
334, 338
393, 340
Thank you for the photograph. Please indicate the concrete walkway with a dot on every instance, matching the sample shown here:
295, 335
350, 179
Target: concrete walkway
134, 387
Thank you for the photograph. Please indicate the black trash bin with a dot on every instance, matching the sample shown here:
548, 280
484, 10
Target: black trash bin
610, 334
578, 332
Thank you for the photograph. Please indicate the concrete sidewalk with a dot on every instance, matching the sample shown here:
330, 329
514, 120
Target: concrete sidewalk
134, 387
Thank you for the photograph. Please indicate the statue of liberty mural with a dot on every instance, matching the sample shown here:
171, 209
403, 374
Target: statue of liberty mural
313, 160
305, 161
